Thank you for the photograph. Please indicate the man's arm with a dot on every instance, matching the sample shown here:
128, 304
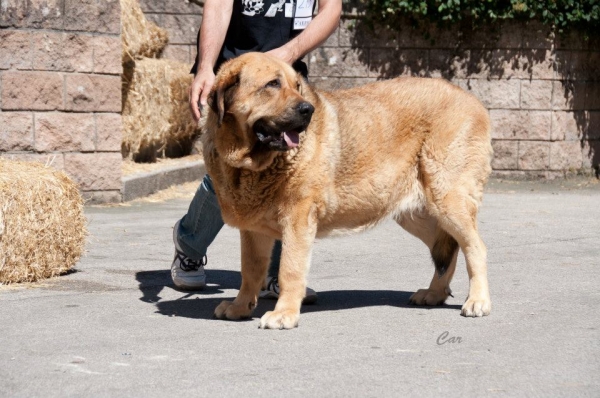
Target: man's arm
317, 31
215, 21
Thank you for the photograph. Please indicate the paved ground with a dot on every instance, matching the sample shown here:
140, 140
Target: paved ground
116, 327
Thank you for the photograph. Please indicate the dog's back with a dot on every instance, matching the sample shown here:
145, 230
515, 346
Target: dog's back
400, 146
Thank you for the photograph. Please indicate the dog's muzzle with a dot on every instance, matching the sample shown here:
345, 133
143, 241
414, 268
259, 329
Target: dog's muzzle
284, 134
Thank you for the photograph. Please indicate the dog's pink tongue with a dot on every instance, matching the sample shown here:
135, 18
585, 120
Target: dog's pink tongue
291, 138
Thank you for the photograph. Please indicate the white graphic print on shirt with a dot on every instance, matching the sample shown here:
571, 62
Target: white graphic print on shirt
252, 7
256, 7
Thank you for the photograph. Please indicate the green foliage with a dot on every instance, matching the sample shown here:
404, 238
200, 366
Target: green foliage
560, 14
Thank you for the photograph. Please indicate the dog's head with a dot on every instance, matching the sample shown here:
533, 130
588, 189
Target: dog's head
259, 107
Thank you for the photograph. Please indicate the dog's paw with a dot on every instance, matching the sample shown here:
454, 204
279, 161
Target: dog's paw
279, 320
232, 311
428, 297
476, 307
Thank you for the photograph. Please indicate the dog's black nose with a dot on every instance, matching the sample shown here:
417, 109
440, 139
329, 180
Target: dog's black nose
305, 109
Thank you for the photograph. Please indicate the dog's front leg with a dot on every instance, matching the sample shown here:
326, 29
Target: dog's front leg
256, 252
298, 235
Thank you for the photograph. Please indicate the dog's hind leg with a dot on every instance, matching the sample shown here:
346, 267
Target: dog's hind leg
444, 251
256, 252
458, 216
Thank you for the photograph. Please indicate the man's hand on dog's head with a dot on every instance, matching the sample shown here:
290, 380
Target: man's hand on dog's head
284, 54
199, 90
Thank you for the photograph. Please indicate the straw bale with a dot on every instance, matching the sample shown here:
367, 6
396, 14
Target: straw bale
140, 37
156, 117
42, 225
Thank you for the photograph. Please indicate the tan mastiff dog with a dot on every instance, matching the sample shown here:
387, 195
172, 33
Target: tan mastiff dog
293, 163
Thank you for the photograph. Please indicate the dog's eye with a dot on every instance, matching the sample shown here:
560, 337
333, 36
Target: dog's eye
274, 83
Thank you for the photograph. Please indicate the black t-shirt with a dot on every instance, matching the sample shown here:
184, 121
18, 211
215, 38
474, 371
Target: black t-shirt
251, 30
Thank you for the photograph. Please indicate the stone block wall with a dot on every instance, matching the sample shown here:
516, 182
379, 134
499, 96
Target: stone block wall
542, 90
60, 89
181, 19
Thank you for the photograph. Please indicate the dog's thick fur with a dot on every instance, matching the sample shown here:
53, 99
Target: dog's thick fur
416, 150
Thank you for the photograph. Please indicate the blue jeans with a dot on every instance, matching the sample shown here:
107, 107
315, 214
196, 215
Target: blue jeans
203, 221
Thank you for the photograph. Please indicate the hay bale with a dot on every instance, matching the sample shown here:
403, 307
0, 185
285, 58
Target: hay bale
156, 118
140, 38
42, 226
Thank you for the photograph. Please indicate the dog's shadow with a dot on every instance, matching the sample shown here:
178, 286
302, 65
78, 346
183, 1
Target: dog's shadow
152, 283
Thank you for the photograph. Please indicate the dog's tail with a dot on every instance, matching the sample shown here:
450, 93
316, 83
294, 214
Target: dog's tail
443, 251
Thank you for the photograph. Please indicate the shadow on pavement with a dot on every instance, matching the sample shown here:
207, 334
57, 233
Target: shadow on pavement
334, 300
151, 283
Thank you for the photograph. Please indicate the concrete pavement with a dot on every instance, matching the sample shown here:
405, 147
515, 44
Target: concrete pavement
117, 327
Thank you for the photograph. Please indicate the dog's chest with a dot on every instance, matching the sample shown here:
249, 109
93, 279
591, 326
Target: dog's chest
248, 198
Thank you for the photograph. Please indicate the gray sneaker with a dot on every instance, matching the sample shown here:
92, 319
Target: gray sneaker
272, 292
187, 274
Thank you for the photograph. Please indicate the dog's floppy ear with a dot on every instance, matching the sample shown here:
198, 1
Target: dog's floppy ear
221, 95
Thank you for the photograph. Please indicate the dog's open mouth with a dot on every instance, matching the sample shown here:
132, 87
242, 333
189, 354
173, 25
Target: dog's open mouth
289, 139
276, 139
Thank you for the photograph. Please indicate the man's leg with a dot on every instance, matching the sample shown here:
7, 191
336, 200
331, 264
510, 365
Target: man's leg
275, 260
193, 234
272, 288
